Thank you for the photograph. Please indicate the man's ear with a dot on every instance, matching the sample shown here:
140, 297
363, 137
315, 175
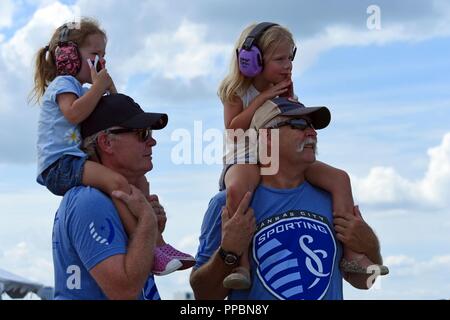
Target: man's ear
104, 143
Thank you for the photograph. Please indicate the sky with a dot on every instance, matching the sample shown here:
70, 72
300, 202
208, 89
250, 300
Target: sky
381, 67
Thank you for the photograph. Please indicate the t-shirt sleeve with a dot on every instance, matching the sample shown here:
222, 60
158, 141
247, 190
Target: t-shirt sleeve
211, 230
67, 84
95, 228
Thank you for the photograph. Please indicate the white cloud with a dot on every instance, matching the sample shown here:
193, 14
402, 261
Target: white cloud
406, 266
181, 54
409, 278
334, 36
384, 186
400, 260
18, 52
27, 260
189, 243
6, 13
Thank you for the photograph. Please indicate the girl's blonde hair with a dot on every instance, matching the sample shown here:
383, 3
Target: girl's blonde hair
235, 82
45, 66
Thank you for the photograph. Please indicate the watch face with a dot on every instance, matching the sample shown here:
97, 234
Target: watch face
230, 259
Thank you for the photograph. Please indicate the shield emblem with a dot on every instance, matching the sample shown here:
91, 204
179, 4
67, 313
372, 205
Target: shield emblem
295, 256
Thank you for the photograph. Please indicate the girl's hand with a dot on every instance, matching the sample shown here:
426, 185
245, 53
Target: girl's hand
101, 78
277, 89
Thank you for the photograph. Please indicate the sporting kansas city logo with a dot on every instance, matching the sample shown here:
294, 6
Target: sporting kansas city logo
295, 253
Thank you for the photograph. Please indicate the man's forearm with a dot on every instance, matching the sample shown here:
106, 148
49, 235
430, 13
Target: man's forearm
207, 280
139, 257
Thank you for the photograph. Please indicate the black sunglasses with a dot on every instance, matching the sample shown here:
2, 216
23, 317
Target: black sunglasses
143, 134
300, 124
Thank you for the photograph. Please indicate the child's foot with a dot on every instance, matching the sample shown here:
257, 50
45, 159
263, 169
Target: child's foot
238, 280
361, 264
186, 260
164, 264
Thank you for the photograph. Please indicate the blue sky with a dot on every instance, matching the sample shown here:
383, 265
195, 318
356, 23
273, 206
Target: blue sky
388, 91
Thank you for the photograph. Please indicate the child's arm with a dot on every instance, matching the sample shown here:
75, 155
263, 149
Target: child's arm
335, 181
237, 118
74, 109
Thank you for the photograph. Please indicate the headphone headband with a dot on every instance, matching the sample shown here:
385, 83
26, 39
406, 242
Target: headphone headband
256, 33
64, 34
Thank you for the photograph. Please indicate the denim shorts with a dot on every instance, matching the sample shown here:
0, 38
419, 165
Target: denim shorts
64, 174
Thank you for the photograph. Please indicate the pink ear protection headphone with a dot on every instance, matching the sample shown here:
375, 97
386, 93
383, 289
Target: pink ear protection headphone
67, 56
250, 59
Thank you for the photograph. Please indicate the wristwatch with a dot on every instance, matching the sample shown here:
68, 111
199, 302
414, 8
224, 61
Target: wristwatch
230, 258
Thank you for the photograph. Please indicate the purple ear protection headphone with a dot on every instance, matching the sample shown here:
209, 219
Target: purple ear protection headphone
250, 59
67, 56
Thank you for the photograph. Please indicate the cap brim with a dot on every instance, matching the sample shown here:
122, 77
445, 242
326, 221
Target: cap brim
320, 116
154, 121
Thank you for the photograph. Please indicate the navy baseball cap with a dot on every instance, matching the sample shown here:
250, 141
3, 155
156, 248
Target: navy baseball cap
119, 110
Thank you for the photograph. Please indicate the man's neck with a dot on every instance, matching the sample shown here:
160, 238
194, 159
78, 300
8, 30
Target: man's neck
131, 177
286, 178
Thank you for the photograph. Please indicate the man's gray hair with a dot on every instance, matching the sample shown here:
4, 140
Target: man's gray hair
89, 145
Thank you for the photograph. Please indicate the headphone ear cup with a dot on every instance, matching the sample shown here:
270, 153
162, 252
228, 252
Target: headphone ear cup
68, 59
250, 62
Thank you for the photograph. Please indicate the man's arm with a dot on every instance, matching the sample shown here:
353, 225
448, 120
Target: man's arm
237, 232
123, 276
357, 235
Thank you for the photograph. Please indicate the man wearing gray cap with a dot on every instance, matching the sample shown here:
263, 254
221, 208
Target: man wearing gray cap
289, 228
93, 257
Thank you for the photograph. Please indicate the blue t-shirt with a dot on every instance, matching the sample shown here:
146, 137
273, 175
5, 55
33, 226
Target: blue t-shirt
294, 251
56, 135
86, 231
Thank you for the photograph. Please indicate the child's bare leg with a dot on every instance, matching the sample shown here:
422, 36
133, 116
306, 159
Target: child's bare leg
343, 206
240, 179
175, 256
107, 180
144, 186
337, 182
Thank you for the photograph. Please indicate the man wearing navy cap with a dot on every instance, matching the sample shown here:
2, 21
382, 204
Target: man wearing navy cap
93, 257
289, 228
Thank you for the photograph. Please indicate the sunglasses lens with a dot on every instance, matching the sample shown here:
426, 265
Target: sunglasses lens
300, 124
144, 134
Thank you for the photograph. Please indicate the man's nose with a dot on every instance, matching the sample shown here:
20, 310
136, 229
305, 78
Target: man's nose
310, 132
151, 142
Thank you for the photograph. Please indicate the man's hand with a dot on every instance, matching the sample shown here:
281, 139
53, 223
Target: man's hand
137, 203
355, 233
238, 229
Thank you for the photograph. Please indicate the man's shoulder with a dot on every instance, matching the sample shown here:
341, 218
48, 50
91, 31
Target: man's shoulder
82, 203
85, 196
